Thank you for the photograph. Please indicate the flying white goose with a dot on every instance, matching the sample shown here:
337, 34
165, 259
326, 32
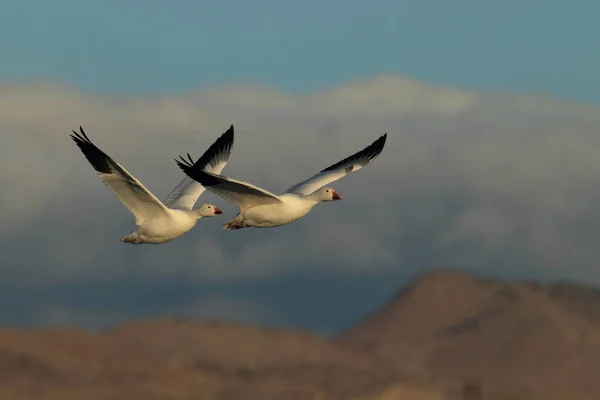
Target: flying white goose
260, 208
157, 222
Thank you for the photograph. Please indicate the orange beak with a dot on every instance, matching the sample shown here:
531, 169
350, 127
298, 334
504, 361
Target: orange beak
218, 211
336, 196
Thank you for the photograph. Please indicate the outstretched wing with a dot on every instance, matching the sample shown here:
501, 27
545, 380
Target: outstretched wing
242, 194
340, 169
139, 200
186, 193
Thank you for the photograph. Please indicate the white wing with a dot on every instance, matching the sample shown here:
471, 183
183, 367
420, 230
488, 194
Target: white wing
185, 194
139, 200
340, 169
242, 194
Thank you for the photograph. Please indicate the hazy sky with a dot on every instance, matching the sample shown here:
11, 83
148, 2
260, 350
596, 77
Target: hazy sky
155, 46
476, 174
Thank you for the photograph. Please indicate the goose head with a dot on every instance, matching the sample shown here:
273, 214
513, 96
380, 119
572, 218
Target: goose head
328, 194
209, 210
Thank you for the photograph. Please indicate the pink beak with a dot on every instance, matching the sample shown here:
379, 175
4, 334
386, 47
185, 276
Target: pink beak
336, 196
218, 211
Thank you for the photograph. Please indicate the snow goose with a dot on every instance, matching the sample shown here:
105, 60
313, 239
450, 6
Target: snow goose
157, 222
260, 208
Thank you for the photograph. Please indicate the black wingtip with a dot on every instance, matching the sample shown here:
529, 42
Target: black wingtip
379, 143
228, 135
375, 148
80, 137
94, 155
198, 175
369, 153
187, 163
222, 147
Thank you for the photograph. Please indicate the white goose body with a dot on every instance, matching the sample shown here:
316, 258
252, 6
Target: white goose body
260, 208
165, 228
291, 208
157, 222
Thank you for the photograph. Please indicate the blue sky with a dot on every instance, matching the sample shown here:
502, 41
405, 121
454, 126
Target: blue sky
141, 47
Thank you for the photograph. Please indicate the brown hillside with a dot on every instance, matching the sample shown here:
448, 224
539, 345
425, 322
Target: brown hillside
517, 340
180, 359
447, 335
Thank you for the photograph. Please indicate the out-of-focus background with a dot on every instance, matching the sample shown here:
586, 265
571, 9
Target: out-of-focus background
488, 178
